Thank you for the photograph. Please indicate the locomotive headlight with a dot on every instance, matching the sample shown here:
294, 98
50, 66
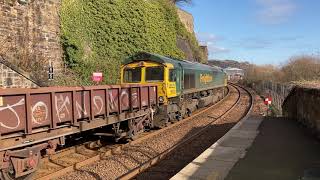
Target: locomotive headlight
161, 99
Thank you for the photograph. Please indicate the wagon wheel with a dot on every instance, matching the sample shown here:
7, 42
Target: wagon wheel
9, 174
189, 112
179, 116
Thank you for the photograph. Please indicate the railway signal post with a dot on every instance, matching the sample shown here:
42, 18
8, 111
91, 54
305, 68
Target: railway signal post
268, 101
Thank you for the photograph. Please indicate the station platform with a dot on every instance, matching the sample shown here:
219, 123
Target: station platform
259, 148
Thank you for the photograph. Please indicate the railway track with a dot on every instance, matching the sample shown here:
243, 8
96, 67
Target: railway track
192, 147
139, 154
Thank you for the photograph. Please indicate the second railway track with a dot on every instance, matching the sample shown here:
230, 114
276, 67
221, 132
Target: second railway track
124, 161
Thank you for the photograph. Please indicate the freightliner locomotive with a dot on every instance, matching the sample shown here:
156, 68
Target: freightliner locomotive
183, 86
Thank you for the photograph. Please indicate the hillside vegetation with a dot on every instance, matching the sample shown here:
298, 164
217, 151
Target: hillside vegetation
98, 34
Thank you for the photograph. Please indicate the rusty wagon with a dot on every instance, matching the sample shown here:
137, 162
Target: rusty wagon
33, 121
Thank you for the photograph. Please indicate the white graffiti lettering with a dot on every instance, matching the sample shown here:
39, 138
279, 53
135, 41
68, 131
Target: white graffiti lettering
99, 108
112, 100
11, 108
82, 110
135, 97
61, 104
38, 111
123, 97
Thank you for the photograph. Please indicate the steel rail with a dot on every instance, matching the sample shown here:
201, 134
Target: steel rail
131, 174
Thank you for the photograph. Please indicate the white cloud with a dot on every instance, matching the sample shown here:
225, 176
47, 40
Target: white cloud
215, 49
207, 37
275, 11
211, 41
266, 42
255, 43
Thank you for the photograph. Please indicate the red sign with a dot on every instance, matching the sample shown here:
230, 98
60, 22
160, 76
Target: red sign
97, 77
268, 101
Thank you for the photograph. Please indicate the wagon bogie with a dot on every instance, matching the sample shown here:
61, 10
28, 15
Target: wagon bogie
22, 162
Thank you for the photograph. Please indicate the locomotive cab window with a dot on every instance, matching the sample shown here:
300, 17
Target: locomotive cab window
154, 73
172, 75
132, 75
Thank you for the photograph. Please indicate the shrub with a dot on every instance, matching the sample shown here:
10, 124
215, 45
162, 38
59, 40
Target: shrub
302, 68
297, 69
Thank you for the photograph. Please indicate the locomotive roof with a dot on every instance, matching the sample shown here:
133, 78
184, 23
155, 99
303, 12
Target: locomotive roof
142, 56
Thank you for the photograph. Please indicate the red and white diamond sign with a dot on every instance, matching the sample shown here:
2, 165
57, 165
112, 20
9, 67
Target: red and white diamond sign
97, 76
268, 101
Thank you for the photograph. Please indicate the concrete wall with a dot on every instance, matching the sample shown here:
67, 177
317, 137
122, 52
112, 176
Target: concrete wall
30, 33
303, 105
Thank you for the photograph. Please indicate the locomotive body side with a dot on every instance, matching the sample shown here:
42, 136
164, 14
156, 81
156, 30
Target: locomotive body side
183, 86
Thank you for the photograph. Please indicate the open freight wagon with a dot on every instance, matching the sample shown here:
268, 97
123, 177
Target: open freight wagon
33, 121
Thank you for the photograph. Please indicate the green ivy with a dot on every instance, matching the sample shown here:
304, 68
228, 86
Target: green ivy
98, 34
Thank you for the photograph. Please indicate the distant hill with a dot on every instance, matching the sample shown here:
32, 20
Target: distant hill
229, 63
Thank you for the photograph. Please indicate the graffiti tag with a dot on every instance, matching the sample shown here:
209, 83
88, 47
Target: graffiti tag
11, 108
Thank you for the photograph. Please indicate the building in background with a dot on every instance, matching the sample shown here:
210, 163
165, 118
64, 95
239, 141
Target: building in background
234, 74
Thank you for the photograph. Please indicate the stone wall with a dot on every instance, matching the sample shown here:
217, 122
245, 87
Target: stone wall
205, 51
303, 105
278, 92
30, 34
12, 77
297, 102
187, 19
184, 45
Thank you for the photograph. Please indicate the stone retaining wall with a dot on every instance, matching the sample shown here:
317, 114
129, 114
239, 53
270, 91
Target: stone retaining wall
30, 33
303, 105
278, 92
298, 102
13, 77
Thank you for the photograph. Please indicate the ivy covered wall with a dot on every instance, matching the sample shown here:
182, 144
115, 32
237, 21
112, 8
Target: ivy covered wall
98, 34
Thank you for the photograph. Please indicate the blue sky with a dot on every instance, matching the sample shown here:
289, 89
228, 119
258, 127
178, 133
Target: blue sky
258, 31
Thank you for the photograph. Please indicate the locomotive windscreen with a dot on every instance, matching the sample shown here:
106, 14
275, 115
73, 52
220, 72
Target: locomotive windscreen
132, 75
154, 73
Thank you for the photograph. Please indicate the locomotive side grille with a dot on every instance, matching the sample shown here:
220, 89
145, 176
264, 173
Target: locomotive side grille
189, 81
